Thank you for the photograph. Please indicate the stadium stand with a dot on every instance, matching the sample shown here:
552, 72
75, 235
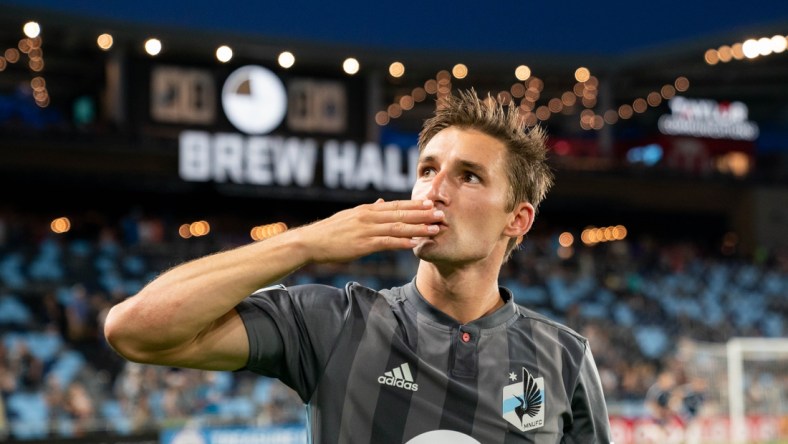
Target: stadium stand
635, 299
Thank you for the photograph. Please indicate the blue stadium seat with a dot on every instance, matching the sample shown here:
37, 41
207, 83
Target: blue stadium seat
11, 271
112, 411
652, 340
13, 312
28, 413
67, 366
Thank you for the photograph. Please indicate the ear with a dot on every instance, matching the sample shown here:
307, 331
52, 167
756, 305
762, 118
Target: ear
520, 221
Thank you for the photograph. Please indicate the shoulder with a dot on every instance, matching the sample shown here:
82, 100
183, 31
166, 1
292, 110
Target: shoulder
296, 298
537, 321
317, 295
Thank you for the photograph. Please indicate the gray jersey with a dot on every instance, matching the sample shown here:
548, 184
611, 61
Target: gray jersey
388, 367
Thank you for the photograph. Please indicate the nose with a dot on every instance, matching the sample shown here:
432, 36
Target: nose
437, 190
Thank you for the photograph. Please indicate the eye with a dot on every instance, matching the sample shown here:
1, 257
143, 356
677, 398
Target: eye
427, 171
471, 177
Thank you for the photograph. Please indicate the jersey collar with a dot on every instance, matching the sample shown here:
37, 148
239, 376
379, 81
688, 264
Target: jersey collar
500, 316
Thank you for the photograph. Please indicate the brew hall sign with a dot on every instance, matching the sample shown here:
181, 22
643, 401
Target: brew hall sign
256, 102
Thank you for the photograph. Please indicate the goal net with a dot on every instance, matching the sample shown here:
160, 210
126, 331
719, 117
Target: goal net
744, 385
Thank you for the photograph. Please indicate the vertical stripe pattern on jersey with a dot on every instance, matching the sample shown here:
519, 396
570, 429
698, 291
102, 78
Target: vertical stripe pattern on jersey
402, 364
359, 410
462, 395
433, 348
493, 375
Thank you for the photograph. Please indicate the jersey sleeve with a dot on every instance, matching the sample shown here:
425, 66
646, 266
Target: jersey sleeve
590, 421
292, 331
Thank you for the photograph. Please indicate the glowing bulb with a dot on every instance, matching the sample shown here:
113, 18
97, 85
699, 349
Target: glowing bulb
566, 239
582, 74
750, 48
382, 118
764, 46
779, 44
104, 41
681, 84
286, 59
31, 29
522, 72
60, 225
350, 65
459, 71
153, 46
224, 53
397, 69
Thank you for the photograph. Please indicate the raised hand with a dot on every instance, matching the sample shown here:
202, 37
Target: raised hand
369, 228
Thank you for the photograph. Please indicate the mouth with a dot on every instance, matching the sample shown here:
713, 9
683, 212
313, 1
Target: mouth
441, 226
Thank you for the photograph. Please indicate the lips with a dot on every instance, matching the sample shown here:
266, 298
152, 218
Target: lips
441, 225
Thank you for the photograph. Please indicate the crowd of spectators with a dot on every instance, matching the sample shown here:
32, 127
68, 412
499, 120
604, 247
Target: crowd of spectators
636, 300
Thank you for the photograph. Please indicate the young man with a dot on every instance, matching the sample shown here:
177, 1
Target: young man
448, 357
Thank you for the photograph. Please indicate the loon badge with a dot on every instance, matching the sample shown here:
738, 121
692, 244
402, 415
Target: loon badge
524, 402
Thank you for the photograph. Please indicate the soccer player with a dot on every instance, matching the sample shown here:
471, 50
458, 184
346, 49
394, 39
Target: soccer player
447, 357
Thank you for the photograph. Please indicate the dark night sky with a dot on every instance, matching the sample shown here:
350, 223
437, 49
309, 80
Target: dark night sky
570, 27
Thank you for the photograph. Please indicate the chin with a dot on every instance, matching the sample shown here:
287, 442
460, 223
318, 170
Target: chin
426, 250
429, 252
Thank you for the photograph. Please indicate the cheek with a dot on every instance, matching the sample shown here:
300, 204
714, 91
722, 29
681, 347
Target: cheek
418, 192
491, 211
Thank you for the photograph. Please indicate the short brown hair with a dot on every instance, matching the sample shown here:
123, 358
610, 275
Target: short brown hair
529, 175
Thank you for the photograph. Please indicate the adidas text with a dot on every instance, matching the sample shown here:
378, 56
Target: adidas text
401, 383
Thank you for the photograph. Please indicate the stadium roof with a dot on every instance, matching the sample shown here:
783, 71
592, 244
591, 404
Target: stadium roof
634, 48
568, 27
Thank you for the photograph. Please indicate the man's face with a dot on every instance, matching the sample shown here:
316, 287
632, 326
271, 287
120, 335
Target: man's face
463, 172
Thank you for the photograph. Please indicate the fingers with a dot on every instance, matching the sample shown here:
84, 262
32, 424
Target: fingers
401, 229
405, 211
381, 205
397, 243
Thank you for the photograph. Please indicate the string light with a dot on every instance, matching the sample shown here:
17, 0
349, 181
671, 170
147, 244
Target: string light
31, 29
593, 235
397, 69
104, 41
153, 46
263, 232
350, 66
60, 225
749, 49
30, 46
459, 71
194, 229
224, 53
286, 59
585, 89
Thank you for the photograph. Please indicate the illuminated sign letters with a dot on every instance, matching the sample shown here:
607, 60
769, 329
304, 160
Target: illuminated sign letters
708, 118
255, 101
278, 161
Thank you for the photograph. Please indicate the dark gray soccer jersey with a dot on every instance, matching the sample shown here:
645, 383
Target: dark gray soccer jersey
388, 367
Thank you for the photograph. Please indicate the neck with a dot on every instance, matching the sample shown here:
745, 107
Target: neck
465, 294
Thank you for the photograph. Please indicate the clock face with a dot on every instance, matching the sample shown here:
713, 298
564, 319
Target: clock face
254, 100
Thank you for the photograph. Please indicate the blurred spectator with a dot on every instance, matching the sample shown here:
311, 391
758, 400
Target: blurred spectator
662, 398
635, 300
79, 405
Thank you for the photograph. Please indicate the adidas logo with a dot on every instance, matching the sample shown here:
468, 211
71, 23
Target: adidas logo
399, 377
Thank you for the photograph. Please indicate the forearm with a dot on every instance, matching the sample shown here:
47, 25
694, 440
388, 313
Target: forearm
176, 307
185, 315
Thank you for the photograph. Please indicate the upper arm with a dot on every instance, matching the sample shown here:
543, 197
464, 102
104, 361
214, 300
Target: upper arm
223, 345
590, 421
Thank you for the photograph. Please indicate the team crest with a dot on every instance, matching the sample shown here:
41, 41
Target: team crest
523, 402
